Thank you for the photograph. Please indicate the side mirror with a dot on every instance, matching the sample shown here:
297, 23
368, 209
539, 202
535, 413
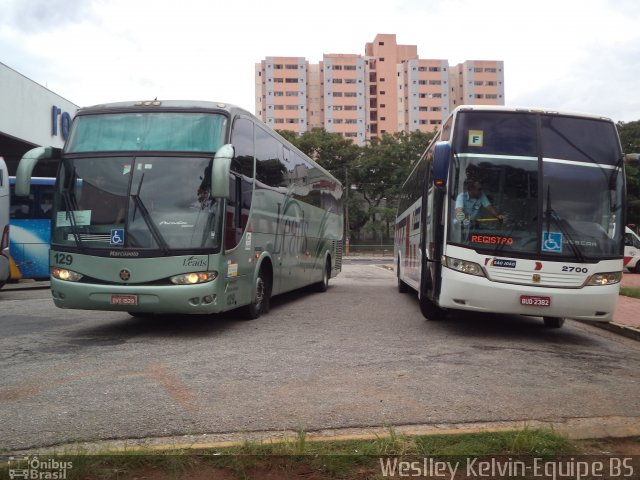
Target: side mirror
221, 170
441, 159
27, 164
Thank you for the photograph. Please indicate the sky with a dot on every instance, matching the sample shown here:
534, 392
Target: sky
575, 55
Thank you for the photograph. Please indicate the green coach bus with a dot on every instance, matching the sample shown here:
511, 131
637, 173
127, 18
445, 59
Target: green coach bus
185, 207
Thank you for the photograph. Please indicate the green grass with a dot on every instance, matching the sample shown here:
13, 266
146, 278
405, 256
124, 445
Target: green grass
299, 456
630, 292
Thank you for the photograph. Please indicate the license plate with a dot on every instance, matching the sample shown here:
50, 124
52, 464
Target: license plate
124, 299
535, 301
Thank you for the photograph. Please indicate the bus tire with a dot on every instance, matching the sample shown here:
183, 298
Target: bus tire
553, 322
141, 314
323, 284
431, 311
402, 287
261, 297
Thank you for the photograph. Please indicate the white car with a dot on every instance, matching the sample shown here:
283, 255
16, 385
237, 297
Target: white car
631, 251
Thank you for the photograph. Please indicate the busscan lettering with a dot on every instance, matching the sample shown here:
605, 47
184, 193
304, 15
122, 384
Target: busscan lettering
494, 468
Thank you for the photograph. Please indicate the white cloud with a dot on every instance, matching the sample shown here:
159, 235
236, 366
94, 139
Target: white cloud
569, 53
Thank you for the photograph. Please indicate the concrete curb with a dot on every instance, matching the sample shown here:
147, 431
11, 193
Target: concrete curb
617, 328
573, 428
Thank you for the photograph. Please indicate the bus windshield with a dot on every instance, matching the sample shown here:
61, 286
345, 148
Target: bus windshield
538, 184
144, 202
137, 131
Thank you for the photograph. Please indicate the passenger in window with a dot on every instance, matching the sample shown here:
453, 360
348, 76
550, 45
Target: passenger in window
470, 203
44, 209
21, 210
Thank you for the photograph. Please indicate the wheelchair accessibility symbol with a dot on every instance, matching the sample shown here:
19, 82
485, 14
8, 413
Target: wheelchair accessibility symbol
117, 236
552, 242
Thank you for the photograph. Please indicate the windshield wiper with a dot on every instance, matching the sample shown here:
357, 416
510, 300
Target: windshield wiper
72, 218
70, 205
146, 216
551, 214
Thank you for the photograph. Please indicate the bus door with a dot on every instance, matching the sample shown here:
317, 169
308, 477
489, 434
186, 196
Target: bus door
4, 222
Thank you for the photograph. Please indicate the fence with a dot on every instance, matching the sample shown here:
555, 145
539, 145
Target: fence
369, 250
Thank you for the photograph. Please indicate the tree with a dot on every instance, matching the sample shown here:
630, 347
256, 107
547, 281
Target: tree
385, 164
629, 136
630, 140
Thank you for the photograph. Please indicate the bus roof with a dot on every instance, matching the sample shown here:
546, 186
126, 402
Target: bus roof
177, 104
233, 110
502, 108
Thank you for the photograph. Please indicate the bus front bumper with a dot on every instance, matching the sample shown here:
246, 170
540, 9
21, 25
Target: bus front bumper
183, 299
469, 292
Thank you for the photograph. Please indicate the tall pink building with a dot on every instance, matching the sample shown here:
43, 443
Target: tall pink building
388, 89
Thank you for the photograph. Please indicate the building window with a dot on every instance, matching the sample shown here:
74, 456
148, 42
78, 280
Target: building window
381, 59
478, 70
291, 66
337, 94
435, 82
382, 79
337, 80
490, 70
350, 94
277, 107
279, 120
277, 80
349, 67
434, 69
338, 121
278, 94
278, 66
291, 80
292, 107
290, 94
350, 80
337, 67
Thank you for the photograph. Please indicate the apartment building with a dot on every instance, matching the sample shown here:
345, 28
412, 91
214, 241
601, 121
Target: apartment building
388, 89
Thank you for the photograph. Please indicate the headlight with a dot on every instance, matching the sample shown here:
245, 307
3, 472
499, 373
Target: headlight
608, 278
464, 266
66, 275
194, 277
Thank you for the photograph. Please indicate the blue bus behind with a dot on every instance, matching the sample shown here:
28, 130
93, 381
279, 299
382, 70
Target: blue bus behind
30, 233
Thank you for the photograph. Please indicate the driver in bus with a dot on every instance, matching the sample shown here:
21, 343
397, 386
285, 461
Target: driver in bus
469, 204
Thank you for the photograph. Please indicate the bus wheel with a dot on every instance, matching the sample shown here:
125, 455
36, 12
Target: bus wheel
260, 303
431, 311
141, 314
553, 322
323, 284
636, 269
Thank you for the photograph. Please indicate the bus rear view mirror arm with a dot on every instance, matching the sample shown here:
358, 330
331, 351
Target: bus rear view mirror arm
27, 164
221, 170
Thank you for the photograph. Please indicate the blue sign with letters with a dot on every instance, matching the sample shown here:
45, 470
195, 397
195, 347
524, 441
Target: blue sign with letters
117, 236
552, 242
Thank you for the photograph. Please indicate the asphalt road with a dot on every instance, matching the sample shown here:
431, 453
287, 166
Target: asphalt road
358, 355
